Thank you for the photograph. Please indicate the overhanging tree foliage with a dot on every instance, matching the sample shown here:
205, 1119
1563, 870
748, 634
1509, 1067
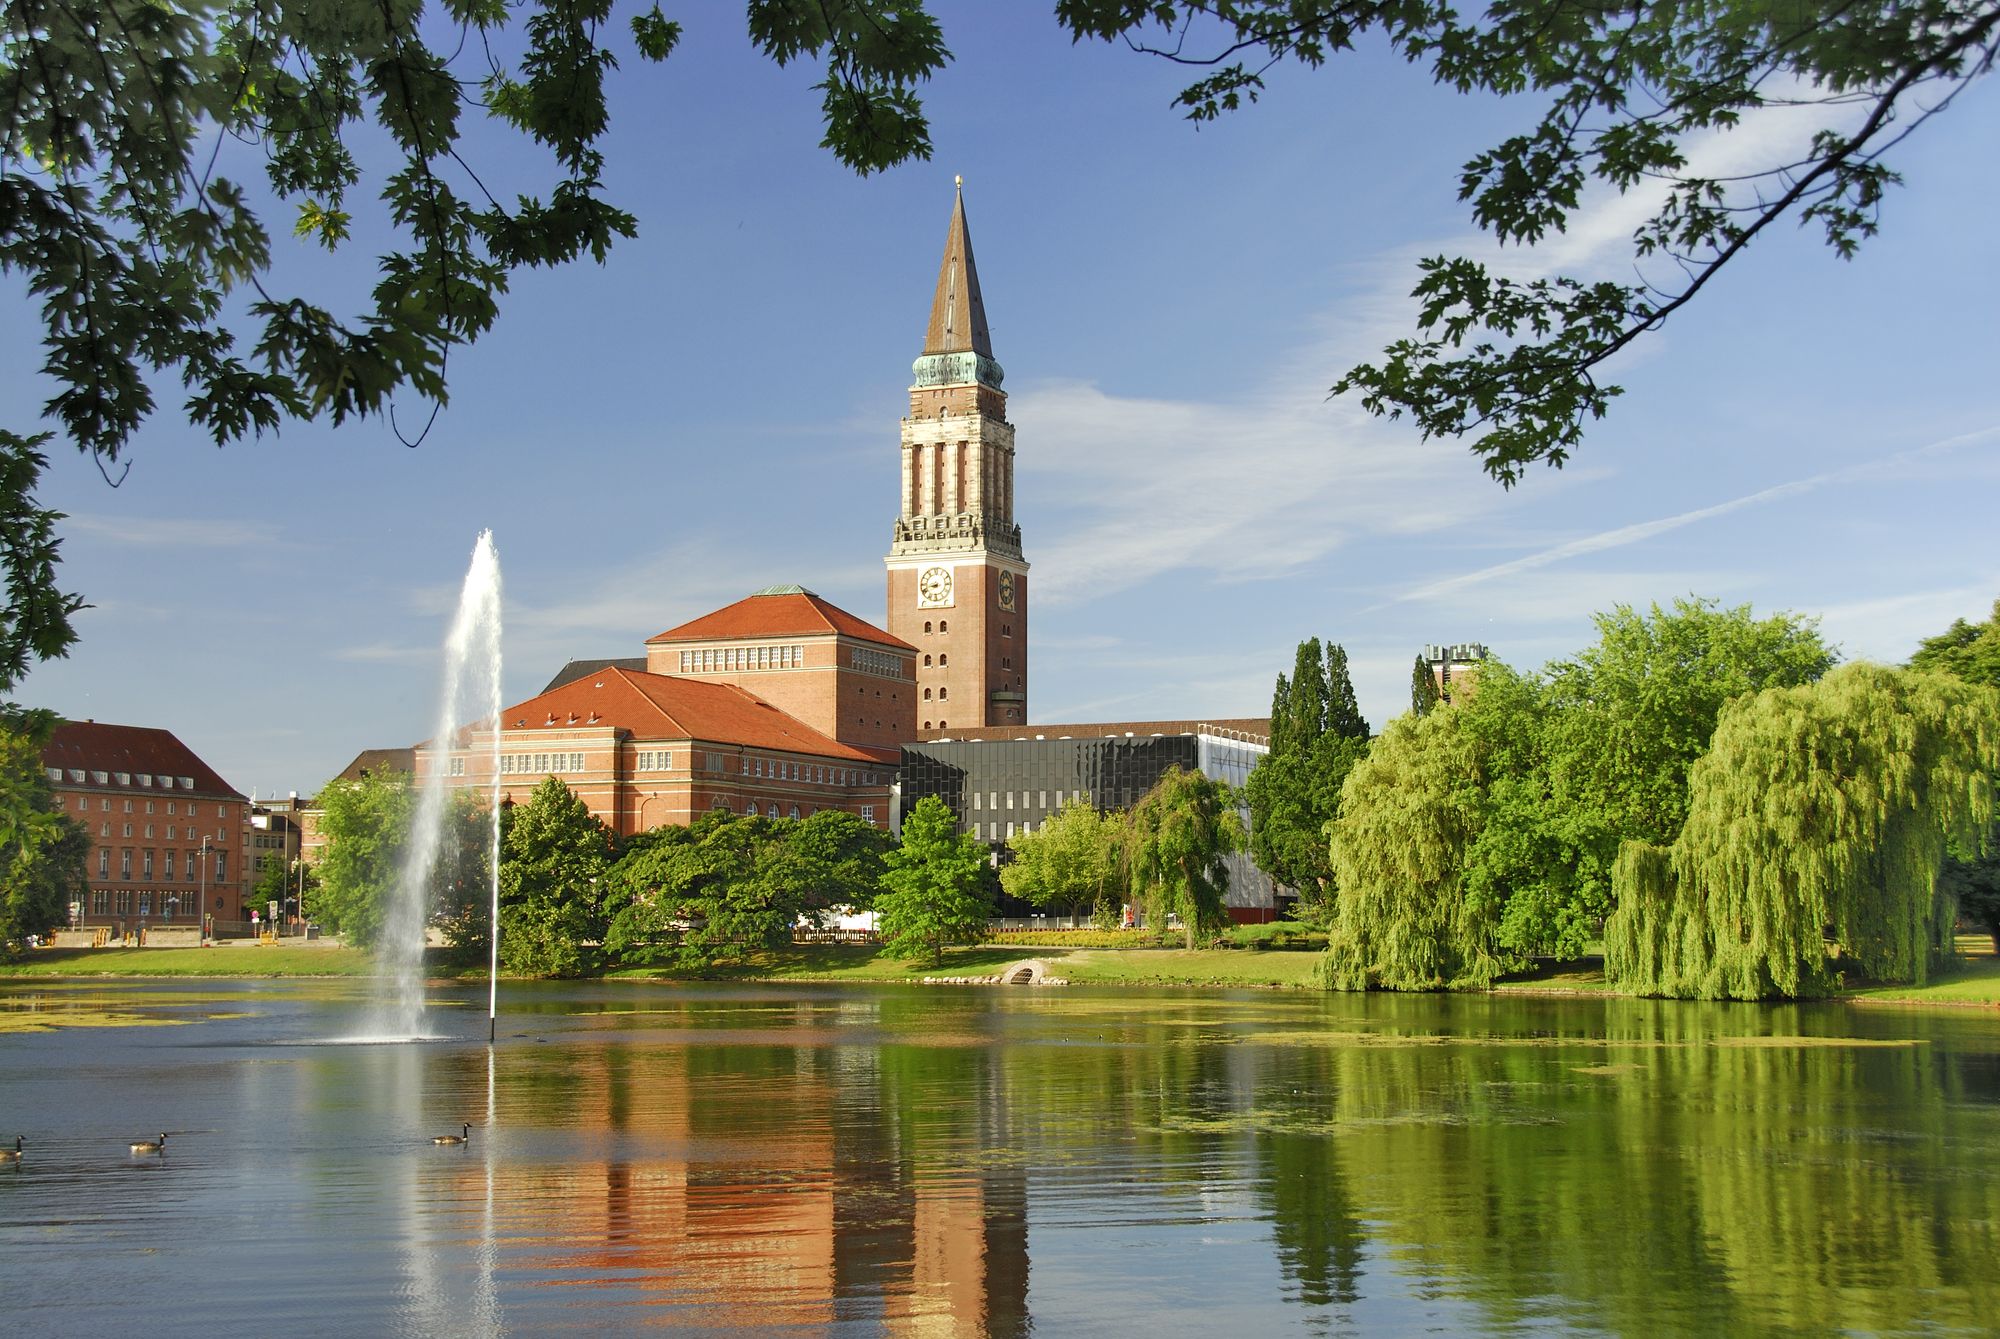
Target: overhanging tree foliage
148, 146
1626, 90
1818, 810
1317, 734
1181, 835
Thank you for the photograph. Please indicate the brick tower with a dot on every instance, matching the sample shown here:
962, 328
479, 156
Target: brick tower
958, 586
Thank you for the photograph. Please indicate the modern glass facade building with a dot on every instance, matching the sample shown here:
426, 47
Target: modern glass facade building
1004, 783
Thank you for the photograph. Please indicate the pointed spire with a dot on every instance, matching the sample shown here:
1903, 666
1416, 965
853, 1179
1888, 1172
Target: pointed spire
958, 313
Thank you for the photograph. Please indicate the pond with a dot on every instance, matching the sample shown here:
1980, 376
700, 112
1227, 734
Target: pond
854, 1160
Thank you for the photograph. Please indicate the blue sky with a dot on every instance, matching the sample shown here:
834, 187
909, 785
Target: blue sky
715, 410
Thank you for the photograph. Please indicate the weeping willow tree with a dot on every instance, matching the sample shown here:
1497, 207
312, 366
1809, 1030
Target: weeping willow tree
1818, 820
1181, 834
1404, 918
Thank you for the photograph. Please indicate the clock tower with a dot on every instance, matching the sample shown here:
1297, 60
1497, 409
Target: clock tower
958, 586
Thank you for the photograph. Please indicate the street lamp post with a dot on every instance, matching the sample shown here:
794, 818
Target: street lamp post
201, 905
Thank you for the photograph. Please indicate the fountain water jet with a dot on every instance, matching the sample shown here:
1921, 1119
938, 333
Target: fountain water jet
471, 693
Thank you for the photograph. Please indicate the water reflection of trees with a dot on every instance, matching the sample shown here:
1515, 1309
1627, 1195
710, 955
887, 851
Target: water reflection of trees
1631, 1167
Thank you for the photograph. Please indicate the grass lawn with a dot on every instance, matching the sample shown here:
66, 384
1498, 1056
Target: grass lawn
1178, 967
246, 960
1977, 982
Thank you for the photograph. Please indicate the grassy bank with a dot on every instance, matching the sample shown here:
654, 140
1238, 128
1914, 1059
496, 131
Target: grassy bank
1976, 983
238, 961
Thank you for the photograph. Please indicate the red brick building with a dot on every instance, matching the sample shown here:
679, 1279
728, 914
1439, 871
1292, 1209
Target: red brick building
958, 585
166, 831
774, 706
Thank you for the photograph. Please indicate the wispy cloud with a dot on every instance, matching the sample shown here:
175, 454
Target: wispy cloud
1270, 482
1625, 535
175, 532
387, 653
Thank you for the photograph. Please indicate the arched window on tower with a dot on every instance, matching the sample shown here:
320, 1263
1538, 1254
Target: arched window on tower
927, 694
943, 660
927, 625
944, 625
927, 662
942, 692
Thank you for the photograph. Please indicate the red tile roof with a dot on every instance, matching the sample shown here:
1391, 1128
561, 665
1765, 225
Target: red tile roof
659, 706
788, 611
135, 750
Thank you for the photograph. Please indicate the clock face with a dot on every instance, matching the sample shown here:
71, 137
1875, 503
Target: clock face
934, 586
1006, 590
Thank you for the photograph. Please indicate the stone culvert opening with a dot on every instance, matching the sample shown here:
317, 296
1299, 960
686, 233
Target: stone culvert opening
1025, 973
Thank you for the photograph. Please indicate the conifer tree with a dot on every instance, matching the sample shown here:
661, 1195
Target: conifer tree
1424, 692
1317, 733
1821, 809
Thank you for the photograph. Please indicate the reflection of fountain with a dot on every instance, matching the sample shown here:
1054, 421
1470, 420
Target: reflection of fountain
471, 692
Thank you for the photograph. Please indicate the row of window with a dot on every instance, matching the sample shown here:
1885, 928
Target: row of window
994, 801
725, 658
880, 662
942, 694
77, 774
540, 764
104, 806
942, 661
750, 810
120, 902
818, 774
941, 725
193, 865
173, 832
661, 760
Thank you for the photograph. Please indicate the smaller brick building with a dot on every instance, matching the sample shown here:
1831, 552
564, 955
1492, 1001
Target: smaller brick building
166, 831
780, 704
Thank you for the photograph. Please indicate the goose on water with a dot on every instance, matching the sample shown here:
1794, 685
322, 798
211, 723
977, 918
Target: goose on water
453, 1138
150, 1145
12, 1154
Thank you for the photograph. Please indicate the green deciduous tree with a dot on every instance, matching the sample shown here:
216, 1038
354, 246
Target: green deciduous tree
42, 850
1182, 832
1317, 734
366, 823
1596, 751
1968, 651
1074, 859
933, 885
1818, 810
725, 885
1625, 91
554, 858
1971, 652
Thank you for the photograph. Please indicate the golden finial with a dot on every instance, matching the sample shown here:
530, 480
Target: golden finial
958, 182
